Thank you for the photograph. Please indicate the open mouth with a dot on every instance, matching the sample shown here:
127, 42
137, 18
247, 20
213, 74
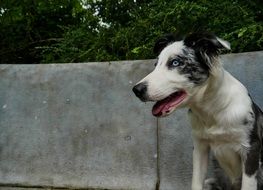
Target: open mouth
168, 104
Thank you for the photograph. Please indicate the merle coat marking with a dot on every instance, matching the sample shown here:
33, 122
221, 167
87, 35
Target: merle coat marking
225, 120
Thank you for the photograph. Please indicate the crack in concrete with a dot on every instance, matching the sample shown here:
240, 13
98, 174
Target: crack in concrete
44, 187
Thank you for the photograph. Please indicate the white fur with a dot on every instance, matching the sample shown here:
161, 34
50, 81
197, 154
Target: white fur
200, 163
249, 182
226, 44
218, 110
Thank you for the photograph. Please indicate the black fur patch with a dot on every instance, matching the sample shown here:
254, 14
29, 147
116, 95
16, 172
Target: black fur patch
253, 157
204, 42
161, 43
196, 71
249, 120
205, 45
255, 153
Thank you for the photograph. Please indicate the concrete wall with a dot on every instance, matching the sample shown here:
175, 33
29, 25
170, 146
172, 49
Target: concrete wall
80, 126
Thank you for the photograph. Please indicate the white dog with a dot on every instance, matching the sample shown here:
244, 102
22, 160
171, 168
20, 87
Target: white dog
224, 118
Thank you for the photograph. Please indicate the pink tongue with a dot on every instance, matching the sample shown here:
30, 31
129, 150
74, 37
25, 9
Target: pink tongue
164, 105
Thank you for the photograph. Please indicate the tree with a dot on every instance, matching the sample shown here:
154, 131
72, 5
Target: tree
28, 26
46, 31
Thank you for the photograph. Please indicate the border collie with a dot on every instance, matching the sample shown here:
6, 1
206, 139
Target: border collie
224, 118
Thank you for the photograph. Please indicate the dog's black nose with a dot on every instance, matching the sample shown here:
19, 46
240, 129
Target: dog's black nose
140, 90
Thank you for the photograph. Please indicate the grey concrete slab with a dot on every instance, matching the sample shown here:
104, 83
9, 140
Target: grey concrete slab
76, 125
27, 188
79, 126
248, 68
175, 157
16, 188
41, 188
175, 132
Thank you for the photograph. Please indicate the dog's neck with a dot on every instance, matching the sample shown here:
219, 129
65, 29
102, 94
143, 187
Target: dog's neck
209, 90
221, 94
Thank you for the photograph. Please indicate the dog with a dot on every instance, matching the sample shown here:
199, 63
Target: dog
224, 118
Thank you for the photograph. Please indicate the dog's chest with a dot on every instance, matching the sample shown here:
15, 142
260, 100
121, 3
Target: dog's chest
227, 145
221, 135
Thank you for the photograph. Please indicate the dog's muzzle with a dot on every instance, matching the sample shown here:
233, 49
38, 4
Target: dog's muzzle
140, 90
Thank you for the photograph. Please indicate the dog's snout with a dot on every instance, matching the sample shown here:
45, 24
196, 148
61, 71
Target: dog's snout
140, 90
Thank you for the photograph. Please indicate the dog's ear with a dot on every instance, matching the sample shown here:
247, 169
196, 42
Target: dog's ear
161, 43
206, 45
207, 42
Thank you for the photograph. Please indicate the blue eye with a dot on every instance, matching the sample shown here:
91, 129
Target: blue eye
175, 63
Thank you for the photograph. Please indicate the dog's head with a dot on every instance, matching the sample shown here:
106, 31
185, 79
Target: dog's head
181, 69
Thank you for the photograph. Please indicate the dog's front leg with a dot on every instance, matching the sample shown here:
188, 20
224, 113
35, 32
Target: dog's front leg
200, 162
249, 182
250, 167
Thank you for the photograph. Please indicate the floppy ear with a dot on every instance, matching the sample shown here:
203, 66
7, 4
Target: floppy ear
206, 46
161, 43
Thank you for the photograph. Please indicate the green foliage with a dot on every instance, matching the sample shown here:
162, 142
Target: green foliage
48, 31
28, 26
